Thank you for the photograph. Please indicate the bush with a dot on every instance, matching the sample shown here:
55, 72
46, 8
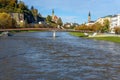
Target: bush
97, 27
82, 27
117, 30
38, 26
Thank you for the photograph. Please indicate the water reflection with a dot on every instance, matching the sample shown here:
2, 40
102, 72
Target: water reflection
38, 56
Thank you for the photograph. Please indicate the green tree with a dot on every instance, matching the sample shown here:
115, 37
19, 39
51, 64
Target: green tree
8, 5
105, 27
3, 3
48, 19
13, 3
59, 22
35, 13
22, 7
39, 15
32, 7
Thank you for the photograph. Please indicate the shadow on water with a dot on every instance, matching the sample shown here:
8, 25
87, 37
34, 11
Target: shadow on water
40, 56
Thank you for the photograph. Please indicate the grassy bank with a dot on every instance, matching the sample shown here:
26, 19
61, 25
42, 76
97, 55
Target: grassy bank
110, 38
77, 34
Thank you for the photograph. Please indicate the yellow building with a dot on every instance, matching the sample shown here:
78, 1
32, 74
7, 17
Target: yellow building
102, 19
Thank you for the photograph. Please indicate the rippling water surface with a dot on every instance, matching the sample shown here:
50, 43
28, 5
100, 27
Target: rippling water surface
39, 56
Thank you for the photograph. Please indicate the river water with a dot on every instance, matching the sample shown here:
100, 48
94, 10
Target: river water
39, 56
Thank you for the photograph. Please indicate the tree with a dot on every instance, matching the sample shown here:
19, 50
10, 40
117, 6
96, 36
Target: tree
8, 5
35, 13
48, 19
13, 6
3, 3
32, 7
39, 15
13, 3
96, 27
105, 27
22, 7
117, 30
59, 22
81, 27
6, 21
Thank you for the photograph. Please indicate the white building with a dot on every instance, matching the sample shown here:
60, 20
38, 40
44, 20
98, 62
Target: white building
90, 23
115, 22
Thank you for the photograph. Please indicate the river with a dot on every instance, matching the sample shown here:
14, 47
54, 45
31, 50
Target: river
39, 56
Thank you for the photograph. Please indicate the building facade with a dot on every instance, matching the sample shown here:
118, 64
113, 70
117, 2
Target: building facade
102, 19
115, 22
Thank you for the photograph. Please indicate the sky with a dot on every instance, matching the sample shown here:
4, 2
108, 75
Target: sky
76, 10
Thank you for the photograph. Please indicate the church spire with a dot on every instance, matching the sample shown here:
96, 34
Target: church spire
89, 17
53, 15
52, 11
89, 14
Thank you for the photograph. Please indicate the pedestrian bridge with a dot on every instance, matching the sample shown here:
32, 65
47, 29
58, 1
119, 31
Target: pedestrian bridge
43, 29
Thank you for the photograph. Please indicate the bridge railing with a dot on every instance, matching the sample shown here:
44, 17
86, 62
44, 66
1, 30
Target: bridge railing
45, 29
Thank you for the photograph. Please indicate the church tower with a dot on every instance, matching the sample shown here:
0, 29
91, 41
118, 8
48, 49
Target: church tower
53, 14
89, 17
54, 17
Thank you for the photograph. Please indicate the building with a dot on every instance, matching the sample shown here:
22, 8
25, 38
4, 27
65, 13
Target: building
113, 19
115, 22
102, 19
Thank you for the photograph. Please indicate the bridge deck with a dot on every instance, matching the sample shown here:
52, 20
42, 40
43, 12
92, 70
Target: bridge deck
43, 29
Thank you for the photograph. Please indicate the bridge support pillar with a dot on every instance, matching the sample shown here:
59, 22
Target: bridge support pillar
54, 33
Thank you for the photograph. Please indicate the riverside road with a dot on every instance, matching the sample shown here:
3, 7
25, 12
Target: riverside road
40, 56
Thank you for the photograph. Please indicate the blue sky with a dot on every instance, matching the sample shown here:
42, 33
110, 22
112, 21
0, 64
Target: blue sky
76, 10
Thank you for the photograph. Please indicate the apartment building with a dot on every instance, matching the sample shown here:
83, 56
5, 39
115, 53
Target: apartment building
115, 22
